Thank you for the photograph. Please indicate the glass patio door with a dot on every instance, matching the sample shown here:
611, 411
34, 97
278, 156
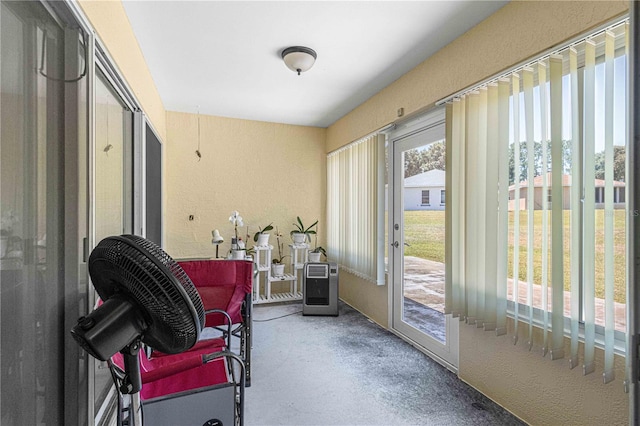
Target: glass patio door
113, 196
43, 214
417, 237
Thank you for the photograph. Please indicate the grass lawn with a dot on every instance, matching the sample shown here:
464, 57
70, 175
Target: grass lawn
425, 233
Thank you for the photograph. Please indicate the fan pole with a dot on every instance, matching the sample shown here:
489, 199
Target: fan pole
135, 410
132, 382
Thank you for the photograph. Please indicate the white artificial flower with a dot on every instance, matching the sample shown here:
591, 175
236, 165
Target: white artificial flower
235, 218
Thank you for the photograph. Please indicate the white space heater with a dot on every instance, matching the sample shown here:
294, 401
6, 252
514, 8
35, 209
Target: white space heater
320, 289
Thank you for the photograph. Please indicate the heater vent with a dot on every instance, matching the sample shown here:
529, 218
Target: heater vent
317, 271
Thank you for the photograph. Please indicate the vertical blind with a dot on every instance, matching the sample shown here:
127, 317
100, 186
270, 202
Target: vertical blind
534, 235
355, 194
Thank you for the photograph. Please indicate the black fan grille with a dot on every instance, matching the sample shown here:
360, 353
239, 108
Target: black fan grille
136, 266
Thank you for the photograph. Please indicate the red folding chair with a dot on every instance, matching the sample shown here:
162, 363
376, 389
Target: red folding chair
190, 388
225, 288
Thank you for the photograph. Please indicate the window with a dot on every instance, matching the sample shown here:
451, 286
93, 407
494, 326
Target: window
425, 197
557, 127
599, 195
355, 207
442, 197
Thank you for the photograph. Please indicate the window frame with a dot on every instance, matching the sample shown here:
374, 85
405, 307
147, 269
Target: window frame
427, 193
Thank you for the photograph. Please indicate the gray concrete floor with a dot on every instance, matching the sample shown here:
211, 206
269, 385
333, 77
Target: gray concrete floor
346, 370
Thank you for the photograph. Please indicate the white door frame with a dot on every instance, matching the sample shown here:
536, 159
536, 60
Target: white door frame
412, 134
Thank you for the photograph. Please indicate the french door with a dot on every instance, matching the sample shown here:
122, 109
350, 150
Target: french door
418, 237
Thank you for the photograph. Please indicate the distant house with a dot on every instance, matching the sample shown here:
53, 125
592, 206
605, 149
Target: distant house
618, 193
425, 191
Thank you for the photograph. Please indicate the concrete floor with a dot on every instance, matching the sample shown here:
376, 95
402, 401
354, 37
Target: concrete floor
346, 370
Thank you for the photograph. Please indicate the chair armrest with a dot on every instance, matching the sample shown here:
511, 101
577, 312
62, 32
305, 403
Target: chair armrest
228, 317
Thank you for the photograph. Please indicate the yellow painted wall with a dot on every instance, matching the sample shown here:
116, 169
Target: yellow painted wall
111, 24
530, 386
268, 172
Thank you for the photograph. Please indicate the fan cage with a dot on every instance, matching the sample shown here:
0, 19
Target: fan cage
134, 265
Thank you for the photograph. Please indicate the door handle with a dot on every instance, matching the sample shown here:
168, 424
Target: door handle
407, 244
396, 244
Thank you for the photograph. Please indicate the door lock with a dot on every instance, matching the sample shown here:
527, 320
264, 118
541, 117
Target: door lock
396, 244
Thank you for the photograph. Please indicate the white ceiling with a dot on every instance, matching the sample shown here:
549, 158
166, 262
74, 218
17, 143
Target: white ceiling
223, 57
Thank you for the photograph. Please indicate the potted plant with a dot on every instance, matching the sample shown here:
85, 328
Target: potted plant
261, 238
277, 267
300, 235
237, 245
314, 255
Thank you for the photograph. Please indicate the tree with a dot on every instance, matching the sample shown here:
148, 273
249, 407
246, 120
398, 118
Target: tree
619, 159
434, 157
537, 155
420, 160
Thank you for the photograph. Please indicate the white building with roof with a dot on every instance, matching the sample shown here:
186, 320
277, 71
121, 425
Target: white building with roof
425, 191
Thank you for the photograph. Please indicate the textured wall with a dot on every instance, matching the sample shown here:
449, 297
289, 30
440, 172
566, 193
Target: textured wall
112, 26
538, 390
268, 172
523, 382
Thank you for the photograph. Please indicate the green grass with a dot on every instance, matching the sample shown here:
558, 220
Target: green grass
425, 233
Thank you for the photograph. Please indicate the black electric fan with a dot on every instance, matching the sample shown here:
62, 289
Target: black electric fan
147, 298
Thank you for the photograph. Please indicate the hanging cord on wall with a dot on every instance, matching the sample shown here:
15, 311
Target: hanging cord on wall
44, 48
198, 153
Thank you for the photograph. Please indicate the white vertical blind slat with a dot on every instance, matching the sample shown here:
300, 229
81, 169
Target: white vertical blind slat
481, 217
588, 227
544, 113
503, 208
450, 271
557, 250
609, 315
458, 197
576, 193
472, 199
515, 90
527, 85
491, 219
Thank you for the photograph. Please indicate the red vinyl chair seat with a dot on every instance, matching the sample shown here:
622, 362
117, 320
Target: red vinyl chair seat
169, 374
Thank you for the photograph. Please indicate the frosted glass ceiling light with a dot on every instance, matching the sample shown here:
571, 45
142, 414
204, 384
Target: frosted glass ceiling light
299, 58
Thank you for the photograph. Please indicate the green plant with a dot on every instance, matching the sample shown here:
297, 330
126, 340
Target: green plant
264, 230
321, 250
280, 258
300, 229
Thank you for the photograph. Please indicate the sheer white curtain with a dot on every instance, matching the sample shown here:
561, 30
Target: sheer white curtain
355, 207
539, 215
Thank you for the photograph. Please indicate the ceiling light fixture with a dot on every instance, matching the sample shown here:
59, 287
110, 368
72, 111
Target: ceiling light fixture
299, 58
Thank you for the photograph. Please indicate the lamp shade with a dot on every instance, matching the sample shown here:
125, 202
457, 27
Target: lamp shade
299, 58
217, 238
